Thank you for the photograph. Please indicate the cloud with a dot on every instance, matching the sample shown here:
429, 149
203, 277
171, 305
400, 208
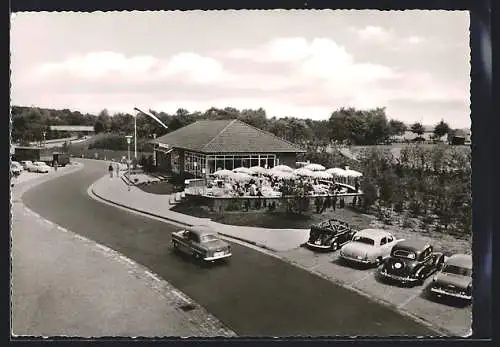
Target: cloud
99, 64
197, 68
414, 40
374, 34
288, 76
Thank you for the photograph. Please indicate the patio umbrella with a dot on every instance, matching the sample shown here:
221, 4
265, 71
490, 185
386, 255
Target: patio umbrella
304, 172
353, 173
336, 171
223, 173
283, 175
244, 170
241, 177
315, 167
282, 168
259, 170
322, 175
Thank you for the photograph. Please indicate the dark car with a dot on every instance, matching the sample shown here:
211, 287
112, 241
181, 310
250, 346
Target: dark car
411, 262
201, 242
329, 235
455, 278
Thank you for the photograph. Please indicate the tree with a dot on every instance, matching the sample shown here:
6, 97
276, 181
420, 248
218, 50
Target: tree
417, 128
103, 122
441, 129
396, 127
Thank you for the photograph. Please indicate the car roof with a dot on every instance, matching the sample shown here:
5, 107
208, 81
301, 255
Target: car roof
412, 245
374, 233
462, 260
201, 230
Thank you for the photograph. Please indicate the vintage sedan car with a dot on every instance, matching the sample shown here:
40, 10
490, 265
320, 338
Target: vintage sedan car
369, 247
39, 166
26, 164
329, 235
201, 242
411, 262
454, 279
15, 168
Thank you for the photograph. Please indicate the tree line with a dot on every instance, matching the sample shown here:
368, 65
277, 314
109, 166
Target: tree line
345, 125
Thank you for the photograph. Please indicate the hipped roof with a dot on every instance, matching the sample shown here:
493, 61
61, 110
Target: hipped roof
226, 136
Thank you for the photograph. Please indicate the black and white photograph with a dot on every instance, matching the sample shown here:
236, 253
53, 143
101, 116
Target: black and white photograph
241, 173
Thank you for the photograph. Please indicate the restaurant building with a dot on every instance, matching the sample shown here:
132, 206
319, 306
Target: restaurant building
206, 146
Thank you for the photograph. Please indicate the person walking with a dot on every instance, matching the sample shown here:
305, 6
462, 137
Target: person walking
110, 169
55, 164
117, 169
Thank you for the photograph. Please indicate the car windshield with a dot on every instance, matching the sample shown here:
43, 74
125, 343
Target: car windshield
365, 240
402, 253
457, 270
208, 238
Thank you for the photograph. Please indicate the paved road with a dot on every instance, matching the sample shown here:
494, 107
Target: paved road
254, 294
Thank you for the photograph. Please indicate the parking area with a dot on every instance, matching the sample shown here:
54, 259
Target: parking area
452, 317
28, 176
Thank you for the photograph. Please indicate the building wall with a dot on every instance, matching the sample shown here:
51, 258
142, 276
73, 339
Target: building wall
288, 159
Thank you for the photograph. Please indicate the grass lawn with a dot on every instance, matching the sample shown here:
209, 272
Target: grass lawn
280, 220
274, 220
164, 188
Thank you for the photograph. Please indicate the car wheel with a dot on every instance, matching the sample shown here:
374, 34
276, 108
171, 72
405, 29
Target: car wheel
378, 261
175, 245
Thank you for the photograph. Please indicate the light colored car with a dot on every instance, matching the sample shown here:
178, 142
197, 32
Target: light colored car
455, 278
39, 166
369, 247
201, 242
16, 168
26, 164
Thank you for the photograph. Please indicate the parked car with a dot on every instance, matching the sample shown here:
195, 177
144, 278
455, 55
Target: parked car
201, 242
39, 166
454, 279
26, 164
411, 262
369, 247
15, 168
329, 235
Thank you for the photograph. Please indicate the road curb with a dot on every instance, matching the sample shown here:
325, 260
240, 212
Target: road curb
176, 221
136, 209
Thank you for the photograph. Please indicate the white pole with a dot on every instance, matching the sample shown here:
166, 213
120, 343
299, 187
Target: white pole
135, 137
154, 152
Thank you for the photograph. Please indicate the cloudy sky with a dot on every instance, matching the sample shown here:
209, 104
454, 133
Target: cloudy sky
302, 64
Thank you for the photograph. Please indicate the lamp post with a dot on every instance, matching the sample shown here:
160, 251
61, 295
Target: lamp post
43, 143
135, 138
154, 152
195, 164
204, 173
129, 138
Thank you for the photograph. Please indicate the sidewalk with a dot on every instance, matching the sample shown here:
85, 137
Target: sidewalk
114, 190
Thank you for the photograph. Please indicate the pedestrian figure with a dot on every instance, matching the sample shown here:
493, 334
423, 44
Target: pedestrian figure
55, 165
110, 169
342, 203
117, 169
334, 202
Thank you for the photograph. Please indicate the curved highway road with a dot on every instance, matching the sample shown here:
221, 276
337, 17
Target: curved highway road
254, 294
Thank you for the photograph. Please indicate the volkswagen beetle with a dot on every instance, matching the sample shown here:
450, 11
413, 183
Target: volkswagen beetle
411, 262
455, 278
329, 235
202, 243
